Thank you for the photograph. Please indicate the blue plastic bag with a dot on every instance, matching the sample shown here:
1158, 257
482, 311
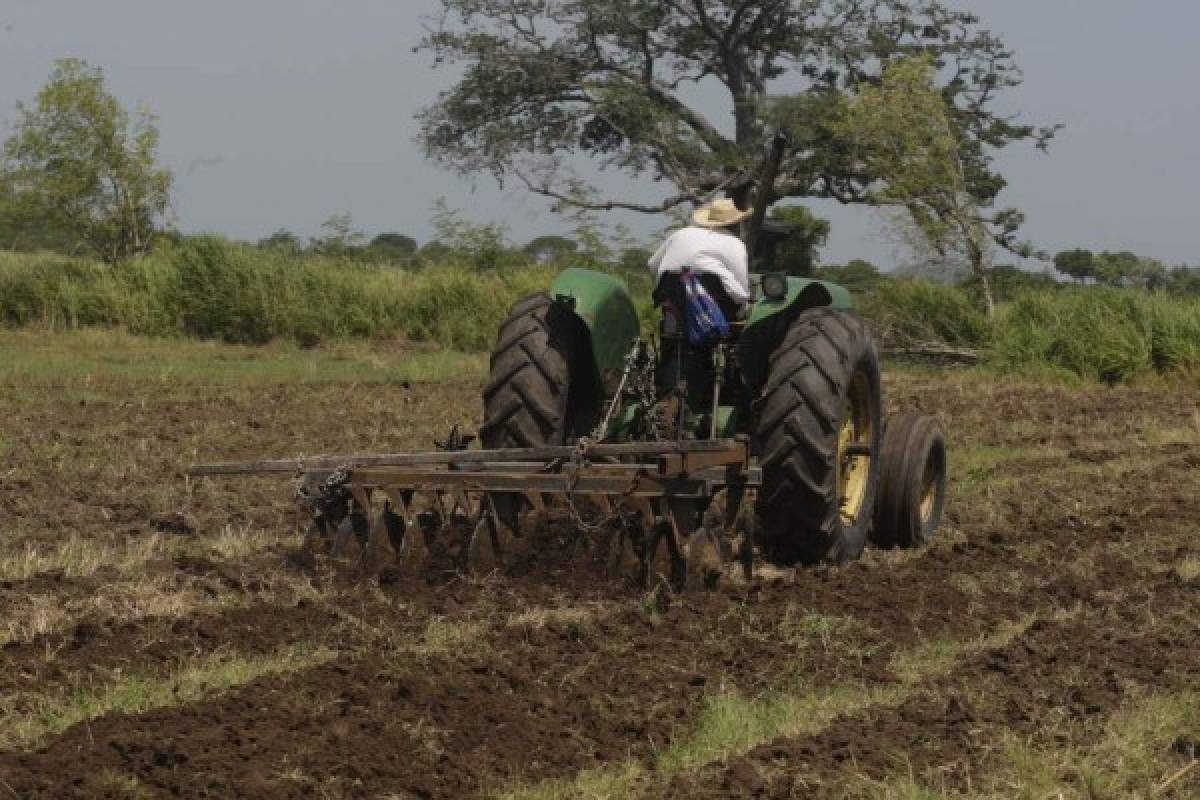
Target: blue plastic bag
706, 322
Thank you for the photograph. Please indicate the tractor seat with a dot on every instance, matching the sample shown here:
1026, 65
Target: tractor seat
670, 289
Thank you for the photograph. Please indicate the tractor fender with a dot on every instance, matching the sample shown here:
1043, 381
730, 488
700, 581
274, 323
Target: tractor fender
605, 315
768, 322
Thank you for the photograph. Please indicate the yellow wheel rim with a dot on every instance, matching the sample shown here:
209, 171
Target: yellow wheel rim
929, 486
854, 450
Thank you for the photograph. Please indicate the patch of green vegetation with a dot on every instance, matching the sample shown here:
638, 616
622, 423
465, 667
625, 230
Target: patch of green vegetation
119, 785
733, 723
973, 464
444, 635
805, 628
1135, 754
1187, 568
603, 783
78, 360
941, 656
1112, 335
50, 715
918, 311
210, 288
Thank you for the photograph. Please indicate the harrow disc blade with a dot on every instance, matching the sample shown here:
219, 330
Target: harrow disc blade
703, 560
485, 549
378, 554
345, 542
622, 559
316, 540
413, 553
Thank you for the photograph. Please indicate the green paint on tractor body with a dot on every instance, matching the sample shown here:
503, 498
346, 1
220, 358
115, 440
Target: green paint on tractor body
602, 303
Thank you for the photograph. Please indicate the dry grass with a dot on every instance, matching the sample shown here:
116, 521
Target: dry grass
79, 556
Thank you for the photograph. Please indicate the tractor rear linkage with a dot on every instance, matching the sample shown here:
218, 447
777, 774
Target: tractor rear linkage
659, 491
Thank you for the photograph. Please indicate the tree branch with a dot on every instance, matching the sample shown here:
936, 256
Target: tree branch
576, 201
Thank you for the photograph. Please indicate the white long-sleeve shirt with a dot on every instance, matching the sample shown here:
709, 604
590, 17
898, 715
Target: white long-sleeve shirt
709, 251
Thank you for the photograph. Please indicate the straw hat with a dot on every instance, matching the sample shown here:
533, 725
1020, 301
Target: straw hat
719, 214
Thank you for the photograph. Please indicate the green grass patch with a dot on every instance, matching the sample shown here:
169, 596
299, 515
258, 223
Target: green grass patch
917, 311
732, 723
78, 359
1187, 569
941, 656
1140, 752
210, 288
135, 694
1111, 335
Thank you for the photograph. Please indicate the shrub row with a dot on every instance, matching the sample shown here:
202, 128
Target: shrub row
1111, 335
211, 288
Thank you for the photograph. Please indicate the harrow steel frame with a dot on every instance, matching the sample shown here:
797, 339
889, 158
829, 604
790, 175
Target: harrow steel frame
657, 491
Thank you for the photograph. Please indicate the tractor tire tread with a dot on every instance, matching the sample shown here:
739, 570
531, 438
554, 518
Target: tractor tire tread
796, 432
525, 399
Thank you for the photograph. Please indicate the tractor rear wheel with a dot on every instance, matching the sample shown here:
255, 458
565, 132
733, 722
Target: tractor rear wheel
817, 429
526, 398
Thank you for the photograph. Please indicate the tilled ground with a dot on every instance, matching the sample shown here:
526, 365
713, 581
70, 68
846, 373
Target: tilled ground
1063, 589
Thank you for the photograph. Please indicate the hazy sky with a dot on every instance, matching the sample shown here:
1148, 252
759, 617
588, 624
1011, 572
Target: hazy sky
279, 113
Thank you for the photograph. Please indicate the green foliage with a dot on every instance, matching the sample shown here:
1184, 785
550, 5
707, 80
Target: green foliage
903, 132
917, 311
551, 249
339, 238
799, 253
1183, 280
283, 241
1129, 269
482, 246
1007, 281
1078, 264
77, 163
1106, 334
857, 275
537, 84
211, 288
391, 248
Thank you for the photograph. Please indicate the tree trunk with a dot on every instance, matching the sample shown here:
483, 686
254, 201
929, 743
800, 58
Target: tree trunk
980, 269
985, 288
762, 196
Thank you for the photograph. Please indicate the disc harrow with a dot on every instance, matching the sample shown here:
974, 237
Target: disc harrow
387, 511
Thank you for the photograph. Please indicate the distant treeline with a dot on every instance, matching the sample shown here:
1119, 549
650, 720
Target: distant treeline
209, 287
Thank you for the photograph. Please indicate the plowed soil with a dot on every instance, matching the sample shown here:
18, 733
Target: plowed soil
1065, 575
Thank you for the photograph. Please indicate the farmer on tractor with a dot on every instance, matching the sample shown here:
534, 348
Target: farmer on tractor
707, 257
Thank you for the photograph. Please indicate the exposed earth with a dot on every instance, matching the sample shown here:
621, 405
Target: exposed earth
163, 638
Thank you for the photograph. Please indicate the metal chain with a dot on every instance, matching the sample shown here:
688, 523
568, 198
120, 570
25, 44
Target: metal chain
645, 391
639, 381
315, 500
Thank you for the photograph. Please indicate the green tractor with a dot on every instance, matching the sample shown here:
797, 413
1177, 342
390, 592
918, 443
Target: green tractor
798, 380
650, 432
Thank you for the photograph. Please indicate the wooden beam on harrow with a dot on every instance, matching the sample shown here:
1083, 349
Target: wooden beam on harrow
460, 457
641, 484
